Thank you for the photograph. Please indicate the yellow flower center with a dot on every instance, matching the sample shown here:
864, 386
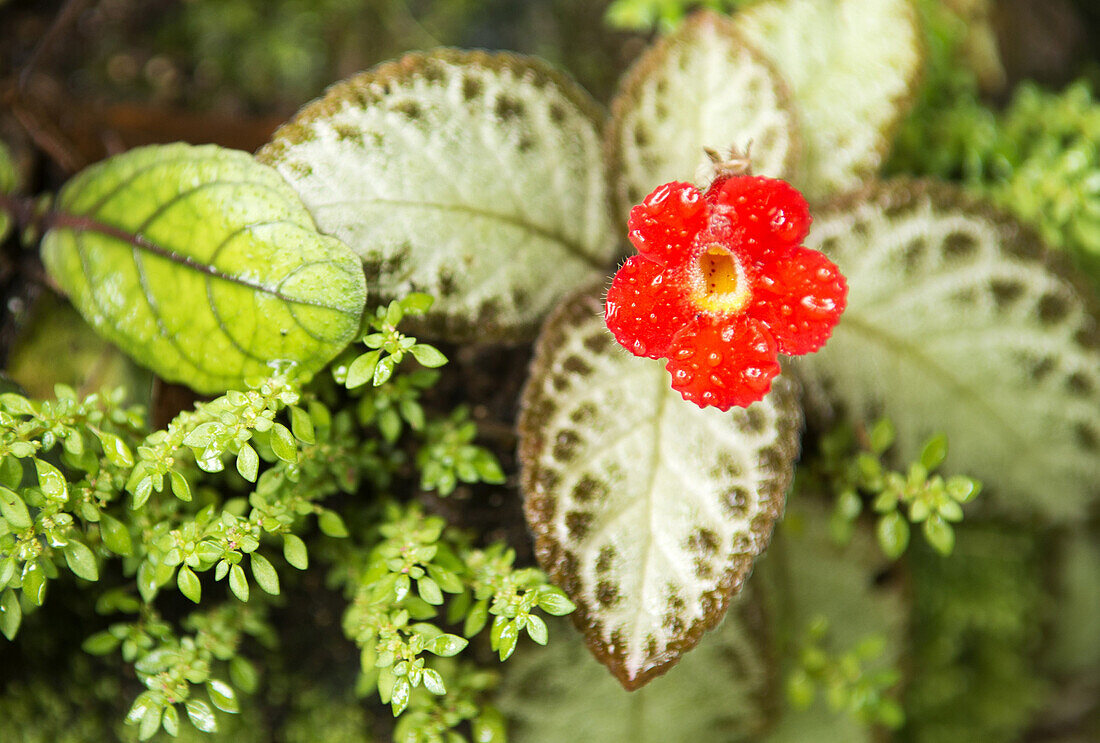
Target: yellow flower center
719, 283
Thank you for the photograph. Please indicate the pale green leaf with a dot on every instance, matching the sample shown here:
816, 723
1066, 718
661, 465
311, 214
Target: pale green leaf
957, 323
853, 67
248, 463
202, 717
264, 573
238, 582
11, 614
189, 584
701, 87
81, 561
295, 552
203, 265
648, 510
14, 509
559, 694
283, 443
222, 695
477, 178
331, 524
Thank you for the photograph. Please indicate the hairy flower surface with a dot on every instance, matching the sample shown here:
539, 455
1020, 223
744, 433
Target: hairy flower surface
722, 285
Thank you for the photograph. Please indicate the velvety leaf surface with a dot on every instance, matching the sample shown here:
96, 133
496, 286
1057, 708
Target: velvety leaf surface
203, 265
647, 510
805, 577
957, 322
476, 178
720, 692
853, 67
701, 87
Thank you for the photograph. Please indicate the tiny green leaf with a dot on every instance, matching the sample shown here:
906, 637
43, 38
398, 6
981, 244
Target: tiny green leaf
553, 601
301, 425
429, 356
331, 524
243, 674
100, 643
893, 534
362, 369
34, 583
14, 510
150, 722
81, 561
11, 614
180, 487
115, 449
171, 721
283, 443
264, 573
295, 552
939, 534
189, 584
202, 717
536, 629
248, 463
222, 695
203, 265
115, 535
934, 452
51, 481
446, 645
429, 591
433, 682
238, 582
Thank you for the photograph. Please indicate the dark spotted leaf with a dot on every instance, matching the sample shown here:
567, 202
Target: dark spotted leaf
476, 178
958, 322
701, 87
647, 510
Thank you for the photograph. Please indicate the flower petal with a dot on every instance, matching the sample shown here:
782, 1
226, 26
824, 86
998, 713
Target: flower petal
645, 307
722, 362
770, 213
799, 296
663, 226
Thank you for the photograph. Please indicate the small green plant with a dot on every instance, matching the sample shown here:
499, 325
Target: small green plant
842, 678
898, 499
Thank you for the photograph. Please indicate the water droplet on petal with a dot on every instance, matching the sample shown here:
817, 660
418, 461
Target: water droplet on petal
638, 348
714, 359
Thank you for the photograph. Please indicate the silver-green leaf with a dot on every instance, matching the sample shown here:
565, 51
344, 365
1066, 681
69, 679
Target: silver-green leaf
701, 87
477, 178
647, 510
203, 265
957, 322
853, 67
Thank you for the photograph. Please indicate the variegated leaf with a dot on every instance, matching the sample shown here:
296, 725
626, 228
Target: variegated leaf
646, 509
701, 87
477, 178
853, 67
957, 322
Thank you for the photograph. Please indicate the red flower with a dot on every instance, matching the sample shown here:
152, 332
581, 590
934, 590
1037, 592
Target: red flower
721, 285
